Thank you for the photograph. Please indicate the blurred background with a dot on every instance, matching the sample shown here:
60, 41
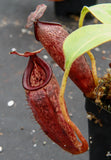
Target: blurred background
21, 137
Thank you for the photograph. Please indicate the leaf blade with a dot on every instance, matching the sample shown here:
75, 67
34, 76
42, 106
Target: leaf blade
83, 40
101, 11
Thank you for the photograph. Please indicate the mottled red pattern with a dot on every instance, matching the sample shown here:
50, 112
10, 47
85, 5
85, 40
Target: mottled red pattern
44, 103
52, 36
36, 75
42, 89
42, 92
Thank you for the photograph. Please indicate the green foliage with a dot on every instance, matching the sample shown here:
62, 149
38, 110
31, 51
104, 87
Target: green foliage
88, 37
83, 40
101, 11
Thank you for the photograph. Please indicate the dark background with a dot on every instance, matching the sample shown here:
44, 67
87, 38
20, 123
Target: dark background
20, 136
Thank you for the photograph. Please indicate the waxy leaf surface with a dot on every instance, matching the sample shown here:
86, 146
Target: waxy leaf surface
101, 11
83, 40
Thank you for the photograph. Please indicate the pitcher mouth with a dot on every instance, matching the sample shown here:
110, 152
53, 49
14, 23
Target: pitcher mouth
27, 73
36, 76
43, 74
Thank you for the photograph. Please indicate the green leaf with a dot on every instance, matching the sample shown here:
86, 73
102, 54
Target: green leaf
101, 11
83, 40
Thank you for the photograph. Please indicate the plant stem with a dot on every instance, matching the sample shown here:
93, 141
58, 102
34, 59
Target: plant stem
61, 95
82, 16
64, 111
94, 70
61, 98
